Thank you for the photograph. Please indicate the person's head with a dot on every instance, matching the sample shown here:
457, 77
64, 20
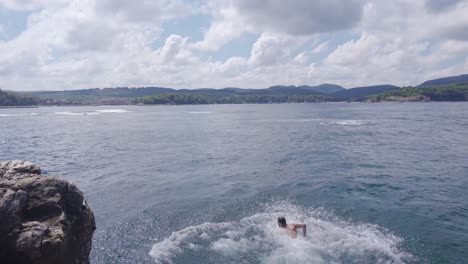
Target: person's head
282, 222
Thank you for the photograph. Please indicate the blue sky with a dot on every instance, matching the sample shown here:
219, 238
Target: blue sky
72, 44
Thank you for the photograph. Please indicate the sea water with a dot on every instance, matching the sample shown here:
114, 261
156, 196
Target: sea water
375, 183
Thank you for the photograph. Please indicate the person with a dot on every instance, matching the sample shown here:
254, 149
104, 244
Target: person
291, 229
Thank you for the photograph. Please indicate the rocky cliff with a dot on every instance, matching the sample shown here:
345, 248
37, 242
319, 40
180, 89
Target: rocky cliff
43, 219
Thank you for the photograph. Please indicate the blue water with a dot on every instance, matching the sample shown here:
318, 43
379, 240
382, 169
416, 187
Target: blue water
375, 183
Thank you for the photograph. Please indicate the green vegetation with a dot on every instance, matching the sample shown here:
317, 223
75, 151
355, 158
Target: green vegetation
453, 88
434, 93
177, 99
13, 99
174, 99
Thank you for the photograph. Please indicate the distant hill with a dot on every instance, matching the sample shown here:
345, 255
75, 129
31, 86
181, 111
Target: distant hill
304, 89
359, 93
325, 88
126, 92
452, 92
119, 92
15, 99
460, 79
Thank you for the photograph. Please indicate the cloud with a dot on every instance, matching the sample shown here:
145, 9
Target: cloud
272, 48
300, 17
31, 4
101, 43
441, 5
143, 11
222, 30
233, 67
320, 48
301, 58
391, 46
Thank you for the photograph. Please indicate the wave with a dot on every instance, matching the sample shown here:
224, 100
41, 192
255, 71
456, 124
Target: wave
350, 123
69, 113
257, 239
113, 111
201, 112
299, 120
25, 114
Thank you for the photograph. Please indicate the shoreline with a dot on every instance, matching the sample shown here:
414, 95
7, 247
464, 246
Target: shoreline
338, 102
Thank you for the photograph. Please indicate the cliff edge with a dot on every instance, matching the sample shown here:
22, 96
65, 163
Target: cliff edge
43, 219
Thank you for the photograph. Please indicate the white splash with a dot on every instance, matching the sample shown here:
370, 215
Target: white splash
257, 239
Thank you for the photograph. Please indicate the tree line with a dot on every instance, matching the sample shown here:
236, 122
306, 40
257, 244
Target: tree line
180, 99
13, 99
454, 92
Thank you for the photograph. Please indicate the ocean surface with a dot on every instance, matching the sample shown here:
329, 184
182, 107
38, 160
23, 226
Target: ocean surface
375, 183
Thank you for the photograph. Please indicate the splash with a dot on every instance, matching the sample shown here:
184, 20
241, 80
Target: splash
257, 239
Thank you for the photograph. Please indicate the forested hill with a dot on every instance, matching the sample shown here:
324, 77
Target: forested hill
456, 92
460, 79
129, 92
428, 91
360, 93
13, 99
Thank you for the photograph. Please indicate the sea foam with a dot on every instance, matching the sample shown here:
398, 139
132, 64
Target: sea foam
257, 239
113, 111
350, 123
201, 112
23, 114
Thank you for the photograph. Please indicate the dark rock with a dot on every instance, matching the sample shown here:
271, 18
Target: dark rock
43, 219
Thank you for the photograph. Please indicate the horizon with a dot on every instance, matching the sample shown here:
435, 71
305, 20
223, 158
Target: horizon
59, 45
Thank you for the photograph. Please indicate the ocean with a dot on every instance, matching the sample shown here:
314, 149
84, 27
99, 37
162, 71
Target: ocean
375, 183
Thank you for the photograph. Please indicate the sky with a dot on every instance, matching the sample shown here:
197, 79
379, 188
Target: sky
76, 44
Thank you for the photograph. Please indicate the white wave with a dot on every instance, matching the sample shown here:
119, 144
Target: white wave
113, 111
201, 112
25, 114
299, 120
350, 122
258, 239
69, 113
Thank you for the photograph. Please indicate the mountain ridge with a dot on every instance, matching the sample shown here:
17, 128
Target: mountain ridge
459, 79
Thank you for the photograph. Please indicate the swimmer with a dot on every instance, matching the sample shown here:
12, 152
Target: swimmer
291, 229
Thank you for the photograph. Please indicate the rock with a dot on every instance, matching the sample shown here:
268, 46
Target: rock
43, 219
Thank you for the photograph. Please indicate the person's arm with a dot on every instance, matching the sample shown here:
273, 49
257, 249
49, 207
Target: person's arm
303, 227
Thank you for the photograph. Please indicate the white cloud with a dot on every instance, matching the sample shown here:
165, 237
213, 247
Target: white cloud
301, 58
320, 48
393, 46
91, 43
270, 49
303, 17
31, 4
222, 30
441, 5
233, 67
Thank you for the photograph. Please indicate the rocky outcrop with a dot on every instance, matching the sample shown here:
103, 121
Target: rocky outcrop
43, 219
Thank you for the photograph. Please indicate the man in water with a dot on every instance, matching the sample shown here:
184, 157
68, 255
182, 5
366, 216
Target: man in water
291, 229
